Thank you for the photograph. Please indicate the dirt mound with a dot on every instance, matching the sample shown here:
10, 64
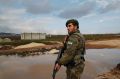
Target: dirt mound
114, 43
113, 74
6, 47
33, 44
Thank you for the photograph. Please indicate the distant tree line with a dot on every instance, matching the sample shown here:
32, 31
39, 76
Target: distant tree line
101, 36
87, 37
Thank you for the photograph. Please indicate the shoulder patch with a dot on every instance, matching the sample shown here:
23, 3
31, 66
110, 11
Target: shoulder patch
69, 42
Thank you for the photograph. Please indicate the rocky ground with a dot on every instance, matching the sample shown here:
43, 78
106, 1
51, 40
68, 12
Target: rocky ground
112, 74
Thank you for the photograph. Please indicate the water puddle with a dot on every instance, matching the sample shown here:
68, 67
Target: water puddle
40, 66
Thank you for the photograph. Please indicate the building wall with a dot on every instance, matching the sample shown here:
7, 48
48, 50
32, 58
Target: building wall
43, 36
33, 36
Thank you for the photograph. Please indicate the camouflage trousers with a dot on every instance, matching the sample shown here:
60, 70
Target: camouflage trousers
74, 72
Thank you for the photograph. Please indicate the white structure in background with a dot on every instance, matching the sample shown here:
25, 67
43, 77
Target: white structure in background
33, 36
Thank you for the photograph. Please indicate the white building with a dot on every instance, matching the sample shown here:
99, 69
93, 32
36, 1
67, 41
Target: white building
33, 36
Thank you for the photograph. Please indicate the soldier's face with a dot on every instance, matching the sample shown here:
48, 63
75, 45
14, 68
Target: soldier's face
71, 28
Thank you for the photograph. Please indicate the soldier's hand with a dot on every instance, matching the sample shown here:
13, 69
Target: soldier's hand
57, 67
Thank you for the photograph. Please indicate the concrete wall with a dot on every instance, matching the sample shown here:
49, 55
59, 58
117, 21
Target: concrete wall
33, 36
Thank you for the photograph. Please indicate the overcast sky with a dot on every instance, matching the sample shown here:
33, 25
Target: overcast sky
50, 16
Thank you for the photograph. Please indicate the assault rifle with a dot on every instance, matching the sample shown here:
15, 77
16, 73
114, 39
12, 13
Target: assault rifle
59, 56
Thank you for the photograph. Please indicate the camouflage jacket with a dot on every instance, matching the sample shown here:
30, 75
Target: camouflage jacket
74, 50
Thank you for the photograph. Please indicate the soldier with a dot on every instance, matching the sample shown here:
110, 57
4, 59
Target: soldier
73, 56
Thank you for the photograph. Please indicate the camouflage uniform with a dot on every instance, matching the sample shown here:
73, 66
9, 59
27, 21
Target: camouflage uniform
73, 56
